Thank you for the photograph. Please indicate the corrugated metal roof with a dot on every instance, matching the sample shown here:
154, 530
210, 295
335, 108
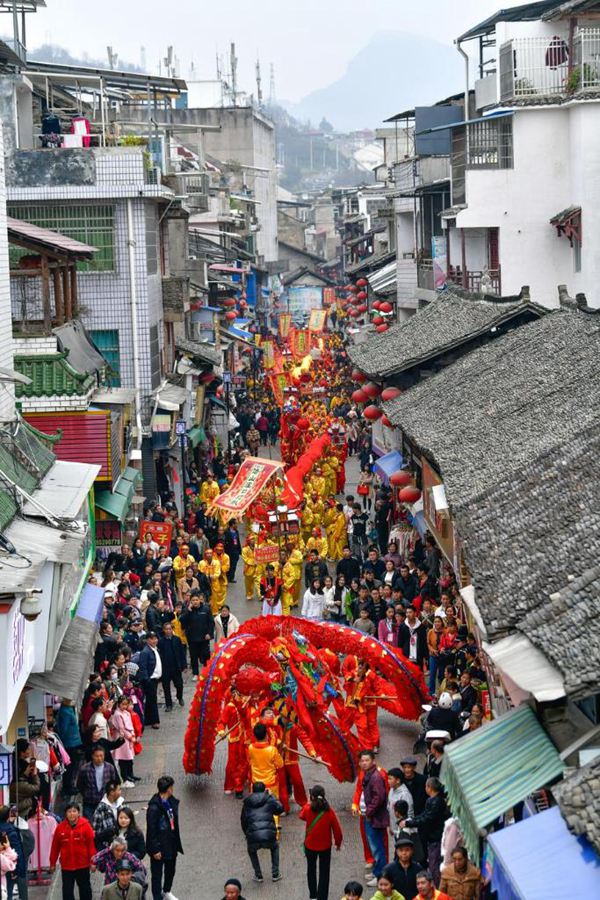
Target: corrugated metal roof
485, 773
85, 436
51, 240
527, 12
83, 356
58, 546
63, 490
383, 278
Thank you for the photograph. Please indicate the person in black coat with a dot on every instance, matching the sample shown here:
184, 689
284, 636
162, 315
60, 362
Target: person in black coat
412, 638
258, 824
415, 782
407, 584
231, 543
199, 627
403, 870
128, 829
149, 674
348, 566
315, 568
172, 657
430, 824
16, 880
163, 841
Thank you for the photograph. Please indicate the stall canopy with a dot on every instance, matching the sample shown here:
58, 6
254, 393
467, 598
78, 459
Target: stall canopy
196, 435
117, 502
539, 857
487, 772
388, 464
68, 677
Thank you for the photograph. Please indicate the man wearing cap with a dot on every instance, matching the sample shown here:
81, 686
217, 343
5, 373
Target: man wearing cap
403, 870
415, 782
181, 562
149, 674
123, 888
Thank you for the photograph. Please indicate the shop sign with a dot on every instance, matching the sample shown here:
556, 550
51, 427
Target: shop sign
108, 537
18, 646
266, 553
161, 532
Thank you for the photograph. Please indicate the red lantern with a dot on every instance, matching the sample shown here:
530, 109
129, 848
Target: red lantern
352, 289
354, 313
378, 320
362, 282
228, 302
390, 393
385, 307
359, 396
401, 479
377, 304
382, 328
349, 287
358, 376
231, 315
363, 308
409, 494
372, 412
387, 422
371, 389
362, 295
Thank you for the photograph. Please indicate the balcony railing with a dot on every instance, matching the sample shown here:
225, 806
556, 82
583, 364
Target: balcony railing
487, 280
425, 274
541, 67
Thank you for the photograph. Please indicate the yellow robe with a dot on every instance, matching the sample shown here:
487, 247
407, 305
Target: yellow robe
209, 491
212, 570
319, 544
219, 594
180, 565
338, 537
249, 572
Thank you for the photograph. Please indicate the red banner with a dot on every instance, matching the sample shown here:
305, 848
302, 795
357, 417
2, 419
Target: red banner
278, 383
161, 532
285, 321
268, 354
329, 296
250, 479
300, 343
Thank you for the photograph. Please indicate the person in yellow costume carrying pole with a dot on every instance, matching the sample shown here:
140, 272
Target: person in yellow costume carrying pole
328, 521
296, 559
219, 594
211, 567
317, 542
306, 520
289, 577
330, 477
249, 567
339, 534
318, 483
209, 490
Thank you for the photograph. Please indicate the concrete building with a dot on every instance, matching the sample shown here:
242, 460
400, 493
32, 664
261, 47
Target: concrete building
526, 170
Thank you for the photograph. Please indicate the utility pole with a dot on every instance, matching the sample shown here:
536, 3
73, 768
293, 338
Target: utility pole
234, 63
272, 86
259, 93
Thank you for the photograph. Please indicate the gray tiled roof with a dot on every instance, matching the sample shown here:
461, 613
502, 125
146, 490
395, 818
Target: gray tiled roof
201, 350
514, 427
579, 800
447, 322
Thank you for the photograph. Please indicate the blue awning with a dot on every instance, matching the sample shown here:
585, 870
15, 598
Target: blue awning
387, 465
91, 603
539, 857
502, 114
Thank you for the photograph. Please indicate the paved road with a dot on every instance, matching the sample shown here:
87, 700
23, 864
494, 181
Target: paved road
212, 838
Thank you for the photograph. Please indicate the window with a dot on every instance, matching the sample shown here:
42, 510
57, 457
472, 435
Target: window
151, 240
491, 144
107, 343
90, 223
154, 357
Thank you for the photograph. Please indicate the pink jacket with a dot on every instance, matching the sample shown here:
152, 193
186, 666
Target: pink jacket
122, 726
383, 634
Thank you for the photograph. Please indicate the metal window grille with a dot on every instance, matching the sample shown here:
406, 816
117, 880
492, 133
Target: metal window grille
91, 223
106, 342
491, 144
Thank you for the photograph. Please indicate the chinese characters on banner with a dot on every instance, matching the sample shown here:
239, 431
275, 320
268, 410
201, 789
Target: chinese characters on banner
279, 383
266, 553
318, 318
161, 532
300, 344
268, 354
285, 320
329, 296
251, 478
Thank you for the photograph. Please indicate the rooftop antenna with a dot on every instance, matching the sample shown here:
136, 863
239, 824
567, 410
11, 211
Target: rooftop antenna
272, 86
112, 58
168, 60
143, 58
234, 63
259, 93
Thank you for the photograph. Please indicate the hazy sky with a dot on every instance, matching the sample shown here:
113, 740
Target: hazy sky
309, 41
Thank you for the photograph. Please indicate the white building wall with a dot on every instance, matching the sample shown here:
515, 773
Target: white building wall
7, 396
521, 201
584, 191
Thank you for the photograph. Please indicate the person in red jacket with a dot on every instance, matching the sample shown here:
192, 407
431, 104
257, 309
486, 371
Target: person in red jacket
322, 830
73, 843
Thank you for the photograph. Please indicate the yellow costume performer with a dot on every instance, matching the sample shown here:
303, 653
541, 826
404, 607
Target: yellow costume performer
211, 567
249, 560
219, 594
209, 490
338, 536
317, 542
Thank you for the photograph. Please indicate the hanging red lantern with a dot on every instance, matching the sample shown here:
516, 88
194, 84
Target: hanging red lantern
378, 320
390, 393
359, 396
371, 389
382, 328
372, 412
401, 479
353, 289
385, 307
362, 295
409, 494
362, 282
228, 302
363, 308
358, 376
349, 287
387, 422
231, 315
376, 304
354, 313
